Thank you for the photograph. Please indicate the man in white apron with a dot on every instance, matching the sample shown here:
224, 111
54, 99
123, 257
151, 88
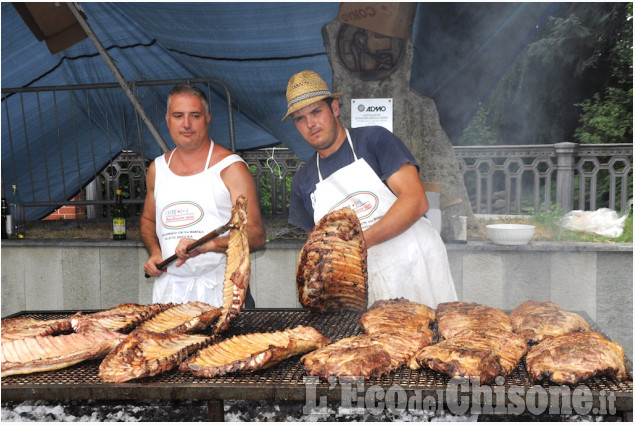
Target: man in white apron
190, 192
371, 171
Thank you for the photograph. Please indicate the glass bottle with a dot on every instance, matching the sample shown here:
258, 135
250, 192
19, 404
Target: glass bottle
5, 211
15, 216
118, 218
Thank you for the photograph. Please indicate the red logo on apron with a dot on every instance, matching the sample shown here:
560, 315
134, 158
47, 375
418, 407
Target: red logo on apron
180, 215
364, 203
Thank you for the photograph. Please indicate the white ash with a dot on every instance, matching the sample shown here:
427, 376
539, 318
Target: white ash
234, 411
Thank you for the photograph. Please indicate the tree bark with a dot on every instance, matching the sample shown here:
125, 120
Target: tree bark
415, 121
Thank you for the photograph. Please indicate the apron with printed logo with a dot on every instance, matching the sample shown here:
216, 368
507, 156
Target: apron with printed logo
187, 207
414, 264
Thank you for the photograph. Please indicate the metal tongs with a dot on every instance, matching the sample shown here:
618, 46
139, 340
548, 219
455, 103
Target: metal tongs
191, 247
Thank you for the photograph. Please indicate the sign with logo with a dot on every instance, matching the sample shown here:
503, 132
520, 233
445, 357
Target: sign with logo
364, 203
365, 112
180, 215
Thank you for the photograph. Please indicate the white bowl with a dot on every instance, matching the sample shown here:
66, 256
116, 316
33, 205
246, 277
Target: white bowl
510, 234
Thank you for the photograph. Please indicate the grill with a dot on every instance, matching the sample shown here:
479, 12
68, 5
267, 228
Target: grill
285, 381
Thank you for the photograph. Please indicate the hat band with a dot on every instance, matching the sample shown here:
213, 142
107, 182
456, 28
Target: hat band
308, 96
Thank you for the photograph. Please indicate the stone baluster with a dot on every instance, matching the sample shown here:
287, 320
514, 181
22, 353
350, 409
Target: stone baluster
565, 152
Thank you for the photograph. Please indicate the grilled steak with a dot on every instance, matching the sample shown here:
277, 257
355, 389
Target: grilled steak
332, 273
251, 352
535, 320
366, 356
122, 318
483, 354
44, 353
22, 327
575, 357
145, 353
456, 316
191, 317
238, 269
386, 316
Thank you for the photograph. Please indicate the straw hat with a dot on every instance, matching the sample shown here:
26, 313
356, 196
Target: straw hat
305, 88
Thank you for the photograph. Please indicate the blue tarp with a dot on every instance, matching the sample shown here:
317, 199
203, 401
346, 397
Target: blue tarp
253, 47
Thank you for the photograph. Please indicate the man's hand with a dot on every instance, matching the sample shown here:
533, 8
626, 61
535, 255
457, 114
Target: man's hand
181, 251
150, 267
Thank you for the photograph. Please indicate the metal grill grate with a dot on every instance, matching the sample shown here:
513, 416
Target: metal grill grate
284, 381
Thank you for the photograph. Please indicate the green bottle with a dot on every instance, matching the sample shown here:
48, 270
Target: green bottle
118, 218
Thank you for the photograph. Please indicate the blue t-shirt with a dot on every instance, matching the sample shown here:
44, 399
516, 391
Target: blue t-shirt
384, 152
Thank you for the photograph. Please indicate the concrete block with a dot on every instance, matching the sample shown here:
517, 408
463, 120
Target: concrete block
484, 279
119, 277
12, 275
455, 258
615, 282
573, 281
145, 285
81, 278
44, 284
527, 277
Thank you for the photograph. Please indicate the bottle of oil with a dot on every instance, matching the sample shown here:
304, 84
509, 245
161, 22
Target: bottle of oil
118, 218
15, 215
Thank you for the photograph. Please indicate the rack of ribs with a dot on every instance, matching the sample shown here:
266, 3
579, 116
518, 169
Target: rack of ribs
122, 318
477, 354
575, 357
22, 327
364, 356
146, 353
190, 317
387, 316
45, 353
456, 316
536, 320
251, 352
238, 268
332, 272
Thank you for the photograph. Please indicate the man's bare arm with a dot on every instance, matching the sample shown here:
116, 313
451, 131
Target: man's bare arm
410, 205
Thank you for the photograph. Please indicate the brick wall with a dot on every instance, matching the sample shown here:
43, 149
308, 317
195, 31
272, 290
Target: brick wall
68, 212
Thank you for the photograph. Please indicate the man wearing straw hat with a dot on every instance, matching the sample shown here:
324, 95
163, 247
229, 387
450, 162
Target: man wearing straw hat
372, 168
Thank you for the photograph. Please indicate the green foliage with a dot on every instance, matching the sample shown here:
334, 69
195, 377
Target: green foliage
581, 50
478, 132
608, 117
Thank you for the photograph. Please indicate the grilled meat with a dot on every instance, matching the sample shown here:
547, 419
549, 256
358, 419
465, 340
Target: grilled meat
22, 327
190, 317
122, 318
44, 353
238, 269
386, 316
478, 354
366, 356
535, 320
251, 352
575, 357
332, 271
145, 353
457, 316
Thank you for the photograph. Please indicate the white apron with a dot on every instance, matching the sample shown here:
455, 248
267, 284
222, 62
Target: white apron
187, 207
414, 264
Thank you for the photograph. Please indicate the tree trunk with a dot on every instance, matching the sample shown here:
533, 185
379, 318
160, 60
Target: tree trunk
415, 122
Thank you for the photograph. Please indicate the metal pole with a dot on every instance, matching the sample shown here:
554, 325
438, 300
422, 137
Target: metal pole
122, 82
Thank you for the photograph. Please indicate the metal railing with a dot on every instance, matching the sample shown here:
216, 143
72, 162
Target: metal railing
498, 179
522, 179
